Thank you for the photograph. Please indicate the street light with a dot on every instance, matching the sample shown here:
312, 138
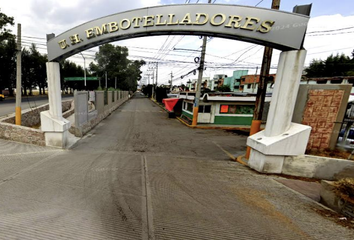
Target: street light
84, 69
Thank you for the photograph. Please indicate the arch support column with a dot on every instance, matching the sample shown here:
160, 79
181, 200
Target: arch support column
281, 137
53, 124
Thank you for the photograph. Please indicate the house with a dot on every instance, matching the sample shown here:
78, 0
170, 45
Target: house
234, 81
217, 81
249, 83
191, 84
221, 108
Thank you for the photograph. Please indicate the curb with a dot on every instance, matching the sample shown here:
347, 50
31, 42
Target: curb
213, 127
239, 160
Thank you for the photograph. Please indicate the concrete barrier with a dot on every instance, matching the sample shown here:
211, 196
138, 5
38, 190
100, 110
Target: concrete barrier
318, 167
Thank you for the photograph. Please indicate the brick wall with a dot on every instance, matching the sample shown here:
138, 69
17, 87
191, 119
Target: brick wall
320, 113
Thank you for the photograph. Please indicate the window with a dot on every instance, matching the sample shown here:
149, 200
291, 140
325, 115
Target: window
207, 109
189, 107
236, 109
232, 109
224, 108
204, 109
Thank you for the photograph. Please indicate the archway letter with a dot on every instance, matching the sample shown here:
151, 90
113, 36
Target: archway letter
280, 30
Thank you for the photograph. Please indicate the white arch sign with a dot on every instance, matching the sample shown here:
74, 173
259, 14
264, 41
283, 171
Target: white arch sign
277, 29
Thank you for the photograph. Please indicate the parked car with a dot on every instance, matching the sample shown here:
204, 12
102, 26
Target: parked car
2, 97
349, 143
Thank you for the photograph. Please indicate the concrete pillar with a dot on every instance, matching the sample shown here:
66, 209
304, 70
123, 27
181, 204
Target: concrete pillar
52, 121
284, 95
54, 90
281, 137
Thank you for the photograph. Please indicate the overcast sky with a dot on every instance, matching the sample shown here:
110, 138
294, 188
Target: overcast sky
40, 17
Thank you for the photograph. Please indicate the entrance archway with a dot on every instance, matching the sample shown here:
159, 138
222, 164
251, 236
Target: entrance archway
277, 29
281, 30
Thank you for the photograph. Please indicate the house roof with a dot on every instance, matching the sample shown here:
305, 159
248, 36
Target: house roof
222, 96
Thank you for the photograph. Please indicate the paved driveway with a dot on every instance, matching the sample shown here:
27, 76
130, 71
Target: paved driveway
141, 175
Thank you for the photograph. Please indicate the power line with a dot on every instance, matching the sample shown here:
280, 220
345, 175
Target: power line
259, 3
331, 50
332, 30
328, 34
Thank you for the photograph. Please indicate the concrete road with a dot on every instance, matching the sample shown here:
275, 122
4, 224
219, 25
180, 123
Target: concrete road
140, 175
8, 106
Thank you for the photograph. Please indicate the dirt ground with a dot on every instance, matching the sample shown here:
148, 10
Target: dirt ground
336, 217
336, 153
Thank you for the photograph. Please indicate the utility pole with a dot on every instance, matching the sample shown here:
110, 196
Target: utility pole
157, 67
115, 83
171, 81
200, 77
106, 79
153, 84
255, 80
84, 69
18, 77
262, 87
148, 77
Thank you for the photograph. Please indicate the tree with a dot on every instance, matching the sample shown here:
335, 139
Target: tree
223, 88
316, 69
132, 75
113, 61
338, 65
70, 69
5, 34
26, 69
38, 66
7, 54
33, 70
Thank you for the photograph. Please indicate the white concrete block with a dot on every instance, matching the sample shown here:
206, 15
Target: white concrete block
290, 143
50, 124
56, 139
55, 130
265, 163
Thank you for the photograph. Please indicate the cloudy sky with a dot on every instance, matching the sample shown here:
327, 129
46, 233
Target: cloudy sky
330, 31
